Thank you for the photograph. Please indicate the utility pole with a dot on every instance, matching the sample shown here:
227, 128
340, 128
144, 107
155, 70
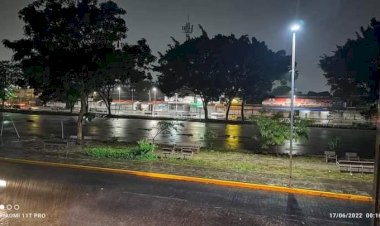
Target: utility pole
187, 28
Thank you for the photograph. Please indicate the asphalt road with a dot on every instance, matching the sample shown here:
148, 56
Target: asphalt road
75, 197
228, 136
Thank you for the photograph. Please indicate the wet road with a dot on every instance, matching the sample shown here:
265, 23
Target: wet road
56, 196
229, 136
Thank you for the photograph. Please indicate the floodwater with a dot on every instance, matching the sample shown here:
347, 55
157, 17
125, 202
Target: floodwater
229, 136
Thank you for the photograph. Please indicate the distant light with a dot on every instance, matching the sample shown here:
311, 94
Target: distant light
295, 27
118, 88
3, 183
154, 89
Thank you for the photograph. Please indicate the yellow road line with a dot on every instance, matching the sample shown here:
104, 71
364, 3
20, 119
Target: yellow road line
361, 198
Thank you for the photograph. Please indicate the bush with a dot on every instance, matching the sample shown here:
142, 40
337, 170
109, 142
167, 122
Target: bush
144, 150
210, 136
273, 132
109, 152
334, 144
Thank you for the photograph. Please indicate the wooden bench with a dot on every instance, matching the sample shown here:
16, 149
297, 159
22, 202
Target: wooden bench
168, 151
356, 166
352, 156
330, 155
86, 138
188, 146
185, 150
59, 144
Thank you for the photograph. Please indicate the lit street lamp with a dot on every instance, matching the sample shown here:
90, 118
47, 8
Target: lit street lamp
119, 89
294, 28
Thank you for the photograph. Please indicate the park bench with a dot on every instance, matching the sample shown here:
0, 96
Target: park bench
58, 144
356, 166
330, 155
185, 150
352, 156
73, 138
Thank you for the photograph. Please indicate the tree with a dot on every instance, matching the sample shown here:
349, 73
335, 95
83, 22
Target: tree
266, 67
234, 59
193, 66
10, 76
281, 91
126, 66
353, 69
273, 132
220, 65
318, 94
65, 43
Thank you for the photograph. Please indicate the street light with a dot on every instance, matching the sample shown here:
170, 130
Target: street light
132, 90
119, 89
154, 94
294, 28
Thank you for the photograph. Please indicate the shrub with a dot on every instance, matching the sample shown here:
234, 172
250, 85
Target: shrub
334, 144
144, 150
275, 131
109, 152
209, 137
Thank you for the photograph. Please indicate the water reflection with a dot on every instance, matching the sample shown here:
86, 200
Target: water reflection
35, 121
229, 136
3, 183
232, 133
285, 149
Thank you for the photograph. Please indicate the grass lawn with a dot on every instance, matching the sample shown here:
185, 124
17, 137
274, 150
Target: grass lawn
237, 165
240, 165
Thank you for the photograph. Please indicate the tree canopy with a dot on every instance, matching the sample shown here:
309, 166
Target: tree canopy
10, 75
353, 69
65, 44
226, 65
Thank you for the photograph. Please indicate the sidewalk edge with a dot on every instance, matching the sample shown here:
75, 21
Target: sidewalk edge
273, 188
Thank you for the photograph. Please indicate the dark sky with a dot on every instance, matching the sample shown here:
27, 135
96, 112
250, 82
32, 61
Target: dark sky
327, 23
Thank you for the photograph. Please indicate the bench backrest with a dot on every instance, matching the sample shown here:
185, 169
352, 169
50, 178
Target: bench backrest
329, 153
355, 162
192, 145
351, 154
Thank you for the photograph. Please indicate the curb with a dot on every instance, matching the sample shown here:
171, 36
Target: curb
273, 188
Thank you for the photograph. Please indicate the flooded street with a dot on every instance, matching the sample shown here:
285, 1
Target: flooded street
230, 136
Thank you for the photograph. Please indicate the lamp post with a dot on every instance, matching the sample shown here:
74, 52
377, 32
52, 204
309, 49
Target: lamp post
176, 103
119, 89
154, 98
294, 28
132, 90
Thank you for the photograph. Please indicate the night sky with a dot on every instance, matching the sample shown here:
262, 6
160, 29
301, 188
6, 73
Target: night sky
327, 23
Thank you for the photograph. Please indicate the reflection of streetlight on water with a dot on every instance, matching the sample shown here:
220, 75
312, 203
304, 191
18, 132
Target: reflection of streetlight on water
154, 99
176, 103
119, 89
132, 90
